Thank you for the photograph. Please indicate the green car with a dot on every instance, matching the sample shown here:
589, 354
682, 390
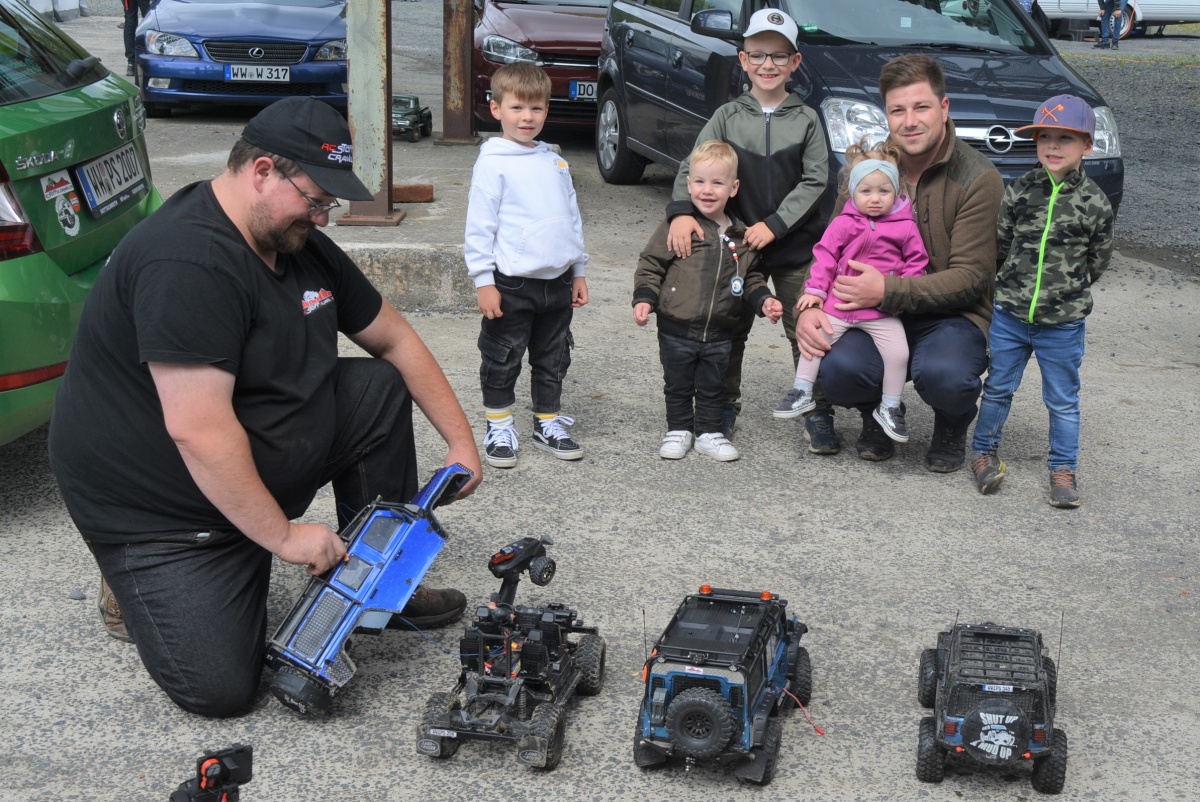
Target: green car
74, 179
410, 119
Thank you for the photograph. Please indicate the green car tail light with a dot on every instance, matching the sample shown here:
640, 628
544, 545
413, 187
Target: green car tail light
17, 237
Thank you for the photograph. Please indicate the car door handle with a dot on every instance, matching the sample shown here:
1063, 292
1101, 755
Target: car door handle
677, 59
629, 38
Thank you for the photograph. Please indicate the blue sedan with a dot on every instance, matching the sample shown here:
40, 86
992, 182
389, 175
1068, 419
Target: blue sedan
251, 53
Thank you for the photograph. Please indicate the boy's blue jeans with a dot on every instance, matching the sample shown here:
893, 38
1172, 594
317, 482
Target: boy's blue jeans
1059, 352
536, 317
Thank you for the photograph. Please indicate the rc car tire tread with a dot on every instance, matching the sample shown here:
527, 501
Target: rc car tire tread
700, 723
437, 705
1050, 772
590, 658
549, 721
927, 678
801, 681
770, 751
931, 757
1051, 680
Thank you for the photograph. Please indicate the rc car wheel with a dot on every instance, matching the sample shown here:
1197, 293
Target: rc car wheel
645, 756
927, 678
300, 693
617, 165
414, 134
427, 129
802, 676
931, 758
770, 752
542, 747
436, 746
1051, 679
590, 657
700, 723
1050, 772
541, 570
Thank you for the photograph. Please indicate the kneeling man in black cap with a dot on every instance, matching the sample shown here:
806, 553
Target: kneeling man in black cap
205, 403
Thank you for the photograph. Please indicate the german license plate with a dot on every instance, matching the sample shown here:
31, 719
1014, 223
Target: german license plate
582, 90
257, 72
998, 688
112, 179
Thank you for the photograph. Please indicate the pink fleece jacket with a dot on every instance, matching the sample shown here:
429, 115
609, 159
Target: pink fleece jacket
892, 244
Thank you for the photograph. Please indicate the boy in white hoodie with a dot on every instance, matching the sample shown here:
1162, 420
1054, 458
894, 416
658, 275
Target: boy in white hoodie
524, 251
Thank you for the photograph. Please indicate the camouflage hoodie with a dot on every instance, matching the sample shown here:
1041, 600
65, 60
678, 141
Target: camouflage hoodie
1054, 242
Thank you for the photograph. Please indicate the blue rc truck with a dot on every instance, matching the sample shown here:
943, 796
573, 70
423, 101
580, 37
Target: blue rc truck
725, 666
389, 548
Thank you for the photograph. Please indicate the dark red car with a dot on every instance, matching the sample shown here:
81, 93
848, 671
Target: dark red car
560, 36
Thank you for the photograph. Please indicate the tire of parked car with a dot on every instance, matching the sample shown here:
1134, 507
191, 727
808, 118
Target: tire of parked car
617, 164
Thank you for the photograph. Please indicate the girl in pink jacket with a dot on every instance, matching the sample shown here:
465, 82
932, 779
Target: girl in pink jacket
877, 227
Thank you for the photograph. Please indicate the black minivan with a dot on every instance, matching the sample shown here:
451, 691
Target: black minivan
666, 65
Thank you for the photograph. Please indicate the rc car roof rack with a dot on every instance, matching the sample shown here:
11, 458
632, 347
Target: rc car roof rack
991, 656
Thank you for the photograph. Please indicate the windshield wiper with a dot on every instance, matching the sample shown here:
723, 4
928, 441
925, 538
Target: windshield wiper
959, 47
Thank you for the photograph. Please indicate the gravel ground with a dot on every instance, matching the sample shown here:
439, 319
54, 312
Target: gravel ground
1153, 87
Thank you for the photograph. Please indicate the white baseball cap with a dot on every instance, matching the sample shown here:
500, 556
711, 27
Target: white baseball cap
775, 21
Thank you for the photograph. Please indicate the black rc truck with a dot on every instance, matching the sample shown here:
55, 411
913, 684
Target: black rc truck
992, 690
725, 666
519, 668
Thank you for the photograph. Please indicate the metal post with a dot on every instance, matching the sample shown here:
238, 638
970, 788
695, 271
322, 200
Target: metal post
369, 42
457, 29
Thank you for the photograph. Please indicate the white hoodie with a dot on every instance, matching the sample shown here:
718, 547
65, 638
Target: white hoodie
522, 218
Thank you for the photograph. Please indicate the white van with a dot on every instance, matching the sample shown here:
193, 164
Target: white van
1144, 15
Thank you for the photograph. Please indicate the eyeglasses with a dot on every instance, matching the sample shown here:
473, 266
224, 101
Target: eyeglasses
314, 208
758, 58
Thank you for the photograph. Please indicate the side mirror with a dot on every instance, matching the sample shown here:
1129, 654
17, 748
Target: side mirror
716, 22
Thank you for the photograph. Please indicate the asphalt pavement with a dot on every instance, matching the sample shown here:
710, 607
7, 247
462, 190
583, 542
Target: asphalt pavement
875, 558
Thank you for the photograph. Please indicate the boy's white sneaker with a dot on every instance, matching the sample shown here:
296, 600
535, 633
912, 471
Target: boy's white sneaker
717, 446
676, 444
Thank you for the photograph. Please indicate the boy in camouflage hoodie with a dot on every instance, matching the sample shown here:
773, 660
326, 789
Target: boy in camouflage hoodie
1055, 233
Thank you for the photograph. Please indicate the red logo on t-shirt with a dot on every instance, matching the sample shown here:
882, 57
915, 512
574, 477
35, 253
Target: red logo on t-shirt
313, 301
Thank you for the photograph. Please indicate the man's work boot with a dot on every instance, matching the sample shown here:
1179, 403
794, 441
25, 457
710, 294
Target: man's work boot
110, 614
429, 608
874, 444
948, 449
818, 431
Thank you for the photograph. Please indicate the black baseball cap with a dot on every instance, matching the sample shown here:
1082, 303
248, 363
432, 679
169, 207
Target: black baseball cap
315, 136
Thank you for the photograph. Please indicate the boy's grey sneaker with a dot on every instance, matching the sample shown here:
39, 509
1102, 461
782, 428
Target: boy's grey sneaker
818, 431
550, 435
989, 471
1063, 490
795, 404
500, 445
676, 444
717, 446
892, 421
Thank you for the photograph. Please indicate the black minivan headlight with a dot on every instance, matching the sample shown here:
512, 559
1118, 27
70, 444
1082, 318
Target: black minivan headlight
847, 122
1106, 144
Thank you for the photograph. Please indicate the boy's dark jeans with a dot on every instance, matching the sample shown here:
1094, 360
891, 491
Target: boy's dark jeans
693, 372
195, 603
536, 317
948, 357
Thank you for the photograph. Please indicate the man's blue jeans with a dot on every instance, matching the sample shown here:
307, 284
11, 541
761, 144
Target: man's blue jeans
1059, 352
1110, 27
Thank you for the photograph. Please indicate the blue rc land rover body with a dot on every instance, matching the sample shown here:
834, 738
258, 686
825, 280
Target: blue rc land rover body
726, 665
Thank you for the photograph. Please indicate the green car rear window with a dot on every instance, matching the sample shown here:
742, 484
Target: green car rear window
36, 60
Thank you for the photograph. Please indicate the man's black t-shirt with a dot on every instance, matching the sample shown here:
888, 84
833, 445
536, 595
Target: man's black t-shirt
185, 288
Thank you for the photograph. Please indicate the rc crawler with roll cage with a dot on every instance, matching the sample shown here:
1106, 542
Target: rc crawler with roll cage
520, 667
726, 665
993, 691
